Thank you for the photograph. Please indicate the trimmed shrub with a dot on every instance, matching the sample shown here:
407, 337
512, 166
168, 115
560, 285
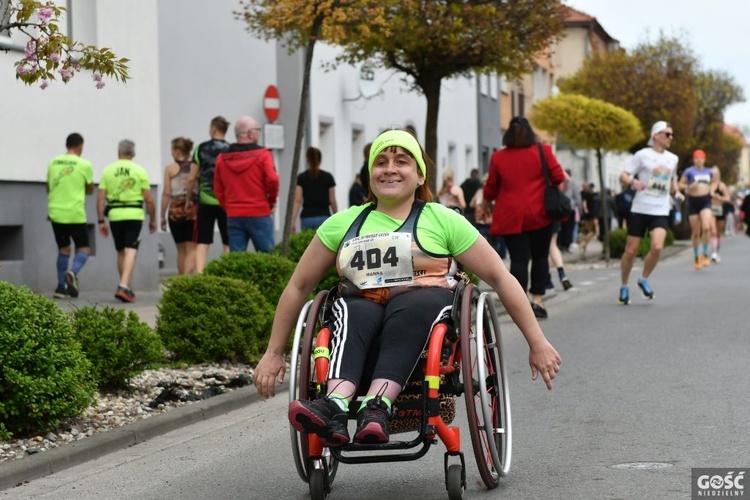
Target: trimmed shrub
44, 376
118, 345
618, 237
205, 318
298, 243
270, 272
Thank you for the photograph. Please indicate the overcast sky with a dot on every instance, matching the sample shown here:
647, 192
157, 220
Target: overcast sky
717, 31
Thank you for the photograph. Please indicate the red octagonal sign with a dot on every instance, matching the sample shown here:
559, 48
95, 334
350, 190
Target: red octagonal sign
272, 103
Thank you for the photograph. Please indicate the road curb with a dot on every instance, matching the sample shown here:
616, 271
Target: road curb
16, 472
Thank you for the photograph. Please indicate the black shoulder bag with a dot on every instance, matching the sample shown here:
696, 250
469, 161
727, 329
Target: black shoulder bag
557, 205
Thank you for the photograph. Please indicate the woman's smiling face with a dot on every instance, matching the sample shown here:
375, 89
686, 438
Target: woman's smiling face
395, 175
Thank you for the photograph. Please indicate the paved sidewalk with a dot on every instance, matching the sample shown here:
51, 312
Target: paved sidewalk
146, 306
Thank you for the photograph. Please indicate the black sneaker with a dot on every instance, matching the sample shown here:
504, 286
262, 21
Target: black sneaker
124, 294
323, 417
60, 292
539, 311
72, 281
567, 285
372, 423
645, 289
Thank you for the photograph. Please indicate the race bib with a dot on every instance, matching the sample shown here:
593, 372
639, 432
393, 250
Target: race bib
657, 185
378, 260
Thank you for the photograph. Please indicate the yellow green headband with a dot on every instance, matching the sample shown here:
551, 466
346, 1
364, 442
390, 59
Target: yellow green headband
402, 139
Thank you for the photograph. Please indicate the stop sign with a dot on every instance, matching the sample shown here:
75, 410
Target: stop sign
272, 103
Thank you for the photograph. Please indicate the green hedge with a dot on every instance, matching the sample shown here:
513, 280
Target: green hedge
270, 272
117, 343
45, 377
205, 318
298, 242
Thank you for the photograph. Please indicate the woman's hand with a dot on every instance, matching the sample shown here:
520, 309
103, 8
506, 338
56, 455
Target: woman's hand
270, 369
544, 359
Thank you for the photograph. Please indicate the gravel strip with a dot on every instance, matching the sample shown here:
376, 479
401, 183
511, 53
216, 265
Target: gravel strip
151, 393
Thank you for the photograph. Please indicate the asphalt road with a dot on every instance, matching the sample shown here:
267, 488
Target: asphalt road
646, 392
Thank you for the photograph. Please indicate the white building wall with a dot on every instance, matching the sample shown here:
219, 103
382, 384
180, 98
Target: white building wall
189, 61
36, 122
342, 120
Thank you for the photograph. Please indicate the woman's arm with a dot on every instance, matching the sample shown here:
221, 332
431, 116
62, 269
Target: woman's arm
311, 268
296, 205
332, 200
484, 261
165, 196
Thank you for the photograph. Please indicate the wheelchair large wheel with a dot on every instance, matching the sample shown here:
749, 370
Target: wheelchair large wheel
485, 385
302, 380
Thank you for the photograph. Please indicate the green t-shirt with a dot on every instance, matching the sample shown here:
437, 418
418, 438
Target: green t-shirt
124, 182
440, 230
67, 178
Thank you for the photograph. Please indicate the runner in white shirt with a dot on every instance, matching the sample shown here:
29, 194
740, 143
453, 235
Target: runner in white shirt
651, 172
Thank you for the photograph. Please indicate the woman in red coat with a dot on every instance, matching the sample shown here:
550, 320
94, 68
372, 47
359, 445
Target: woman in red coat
516, 184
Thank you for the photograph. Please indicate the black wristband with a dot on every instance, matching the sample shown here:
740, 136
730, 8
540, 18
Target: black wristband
101, 221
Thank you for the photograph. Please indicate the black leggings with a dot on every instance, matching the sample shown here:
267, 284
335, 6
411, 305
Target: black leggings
389, 338
534, 246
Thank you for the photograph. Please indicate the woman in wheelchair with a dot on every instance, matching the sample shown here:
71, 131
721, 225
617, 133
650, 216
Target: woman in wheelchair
396, 255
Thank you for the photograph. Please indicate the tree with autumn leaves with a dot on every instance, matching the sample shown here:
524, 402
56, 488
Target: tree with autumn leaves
664, 81
48, 53
589, 123
426, 40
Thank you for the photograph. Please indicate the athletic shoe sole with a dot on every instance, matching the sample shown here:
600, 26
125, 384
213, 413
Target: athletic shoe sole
303, 420
645, 293
372, 433
72, 281
124, 297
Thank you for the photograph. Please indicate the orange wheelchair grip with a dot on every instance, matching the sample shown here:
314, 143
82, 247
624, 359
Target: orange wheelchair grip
321, 354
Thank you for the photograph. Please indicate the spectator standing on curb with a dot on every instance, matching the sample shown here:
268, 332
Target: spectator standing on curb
247, 185
450, 195
516, 185
175, 197
364, 172
202, 173
589, 221
623, 203
569, 227
470, 186
651, 172
69, 179
356, 193
125, 187
315, 192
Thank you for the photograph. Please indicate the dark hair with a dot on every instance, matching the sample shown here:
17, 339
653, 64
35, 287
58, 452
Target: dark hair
183, 144
519, 134
221, 124
366, 151
423, 192
74, 140
314, 159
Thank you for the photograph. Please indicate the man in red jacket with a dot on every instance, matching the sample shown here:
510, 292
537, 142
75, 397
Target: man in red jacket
247, 186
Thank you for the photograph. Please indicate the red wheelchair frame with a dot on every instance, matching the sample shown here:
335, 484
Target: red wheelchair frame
471, 338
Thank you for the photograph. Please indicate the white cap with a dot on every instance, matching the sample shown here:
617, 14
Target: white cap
659, 126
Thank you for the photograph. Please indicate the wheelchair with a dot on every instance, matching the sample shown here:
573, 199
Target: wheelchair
464, 357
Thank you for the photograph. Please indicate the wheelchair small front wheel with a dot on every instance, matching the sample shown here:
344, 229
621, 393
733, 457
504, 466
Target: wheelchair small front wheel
454, 482
319, 487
